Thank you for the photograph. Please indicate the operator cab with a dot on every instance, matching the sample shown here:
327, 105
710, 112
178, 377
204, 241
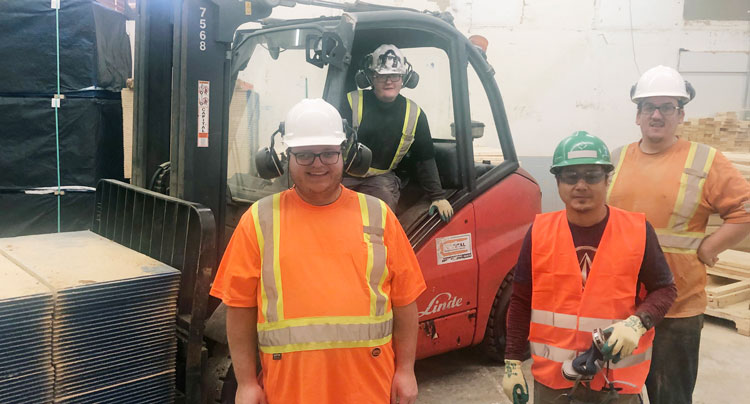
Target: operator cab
273, 68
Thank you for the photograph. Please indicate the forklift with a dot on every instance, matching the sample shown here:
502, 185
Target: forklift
208, 96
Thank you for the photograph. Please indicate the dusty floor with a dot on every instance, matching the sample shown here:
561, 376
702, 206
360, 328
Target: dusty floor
467, 377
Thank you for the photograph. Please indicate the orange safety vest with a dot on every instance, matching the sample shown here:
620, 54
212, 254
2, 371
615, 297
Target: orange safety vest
279, 334
563, 314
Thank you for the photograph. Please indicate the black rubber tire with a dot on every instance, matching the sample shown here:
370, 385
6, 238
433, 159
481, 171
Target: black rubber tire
494, 336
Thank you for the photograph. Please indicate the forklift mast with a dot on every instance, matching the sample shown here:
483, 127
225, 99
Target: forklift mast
182, 93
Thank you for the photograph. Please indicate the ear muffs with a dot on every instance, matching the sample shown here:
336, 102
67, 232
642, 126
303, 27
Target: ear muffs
690, 90
267, 161
361, 78
358, 156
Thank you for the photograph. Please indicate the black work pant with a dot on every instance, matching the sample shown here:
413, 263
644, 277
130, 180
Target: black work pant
674, 362
386, 187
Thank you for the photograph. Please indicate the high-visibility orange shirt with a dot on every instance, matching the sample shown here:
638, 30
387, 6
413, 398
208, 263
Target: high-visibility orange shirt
649, 183
323, 259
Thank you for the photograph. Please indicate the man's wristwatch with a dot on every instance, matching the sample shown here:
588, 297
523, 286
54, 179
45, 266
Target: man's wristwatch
646, 320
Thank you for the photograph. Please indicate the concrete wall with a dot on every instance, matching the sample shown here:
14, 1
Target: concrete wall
568, 65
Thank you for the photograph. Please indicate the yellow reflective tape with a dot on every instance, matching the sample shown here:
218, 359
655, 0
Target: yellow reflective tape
296, 322
673, 250
276, 262
406, 116
261, 243
384, 276
359, 106
324, 345
364, 211
349, 97
683, 186
620, 159
680, 233
702, 182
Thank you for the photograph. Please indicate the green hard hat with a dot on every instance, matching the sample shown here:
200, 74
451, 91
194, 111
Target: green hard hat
580, 148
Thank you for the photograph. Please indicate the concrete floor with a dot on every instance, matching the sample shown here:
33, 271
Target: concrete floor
467, 377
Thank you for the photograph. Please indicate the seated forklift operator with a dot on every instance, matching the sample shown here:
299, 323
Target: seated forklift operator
392, 125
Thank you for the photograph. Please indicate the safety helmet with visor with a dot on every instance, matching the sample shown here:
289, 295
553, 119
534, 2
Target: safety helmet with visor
313, 122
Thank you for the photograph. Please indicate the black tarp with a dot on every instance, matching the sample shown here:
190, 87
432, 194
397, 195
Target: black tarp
91, 145
23, 214
94, 47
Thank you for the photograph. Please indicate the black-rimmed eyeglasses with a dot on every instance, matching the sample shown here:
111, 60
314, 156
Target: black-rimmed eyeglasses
667, 109
307, 158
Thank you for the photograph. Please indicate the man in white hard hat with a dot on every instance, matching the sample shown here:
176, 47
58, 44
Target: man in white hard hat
678, 184
333, 325
392, 125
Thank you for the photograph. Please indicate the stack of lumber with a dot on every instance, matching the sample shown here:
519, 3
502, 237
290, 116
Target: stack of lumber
724, 131
728, 289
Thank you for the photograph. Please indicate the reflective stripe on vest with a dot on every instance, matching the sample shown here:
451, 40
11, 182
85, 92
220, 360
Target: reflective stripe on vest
407, 132
675, 238
569, 321
561, 355
277, 334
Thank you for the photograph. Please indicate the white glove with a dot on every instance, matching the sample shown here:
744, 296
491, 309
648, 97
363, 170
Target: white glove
514, 377
443, 207
624, 338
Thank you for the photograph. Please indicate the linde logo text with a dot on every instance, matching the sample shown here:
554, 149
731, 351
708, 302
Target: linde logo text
441, 301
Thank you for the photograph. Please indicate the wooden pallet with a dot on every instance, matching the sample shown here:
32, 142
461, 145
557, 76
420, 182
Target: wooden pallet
728, 289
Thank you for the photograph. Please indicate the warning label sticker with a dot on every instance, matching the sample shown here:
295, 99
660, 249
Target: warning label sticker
454, 248
203, 104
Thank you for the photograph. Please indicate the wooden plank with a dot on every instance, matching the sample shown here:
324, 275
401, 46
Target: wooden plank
734, 259
739, 313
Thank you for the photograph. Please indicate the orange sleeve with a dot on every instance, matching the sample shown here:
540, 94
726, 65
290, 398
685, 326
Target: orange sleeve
237, 278
407, 282
727, 192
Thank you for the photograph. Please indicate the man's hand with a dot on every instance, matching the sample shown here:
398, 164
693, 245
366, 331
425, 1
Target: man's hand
250, 393
404, 387
706, 255
443, 207
624, 338
514, 382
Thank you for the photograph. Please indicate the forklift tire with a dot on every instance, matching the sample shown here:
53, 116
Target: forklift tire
494, 336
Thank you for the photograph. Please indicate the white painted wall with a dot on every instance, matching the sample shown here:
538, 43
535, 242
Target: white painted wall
568, 65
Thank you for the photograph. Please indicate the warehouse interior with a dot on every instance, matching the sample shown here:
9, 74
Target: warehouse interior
97, 90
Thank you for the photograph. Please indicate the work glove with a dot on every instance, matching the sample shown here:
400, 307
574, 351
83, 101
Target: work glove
623, 339
443, 207
514, 383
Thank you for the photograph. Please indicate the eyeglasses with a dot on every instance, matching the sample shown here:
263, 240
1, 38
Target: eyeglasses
307, 158
571, 177
393, 78
667, 109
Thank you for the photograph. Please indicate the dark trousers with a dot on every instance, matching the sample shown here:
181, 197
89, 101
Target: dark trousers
674, 362
386, 187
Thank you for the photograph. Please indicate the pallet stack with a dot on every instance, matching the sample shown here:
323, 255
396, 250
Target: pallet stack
724, 131
728, 289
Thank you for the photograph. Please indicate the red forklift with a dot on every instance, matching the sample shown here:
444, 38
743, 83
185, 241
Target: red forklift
208, 96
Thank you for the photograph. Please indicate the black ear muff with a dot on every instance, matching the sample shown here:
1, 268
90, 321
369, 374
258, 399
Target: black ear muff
358, 160
411, 78
690, 90
267, 162
362, 79
358, 156
632, 90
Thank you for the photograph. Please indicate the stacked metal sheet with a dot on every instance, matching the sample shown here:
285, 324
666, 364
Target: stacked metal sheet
113, 328
26, 374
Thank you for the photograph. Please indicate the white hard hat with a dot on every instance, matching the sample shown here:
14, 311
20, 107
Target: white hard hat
387, 59
662, 81
313, 122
